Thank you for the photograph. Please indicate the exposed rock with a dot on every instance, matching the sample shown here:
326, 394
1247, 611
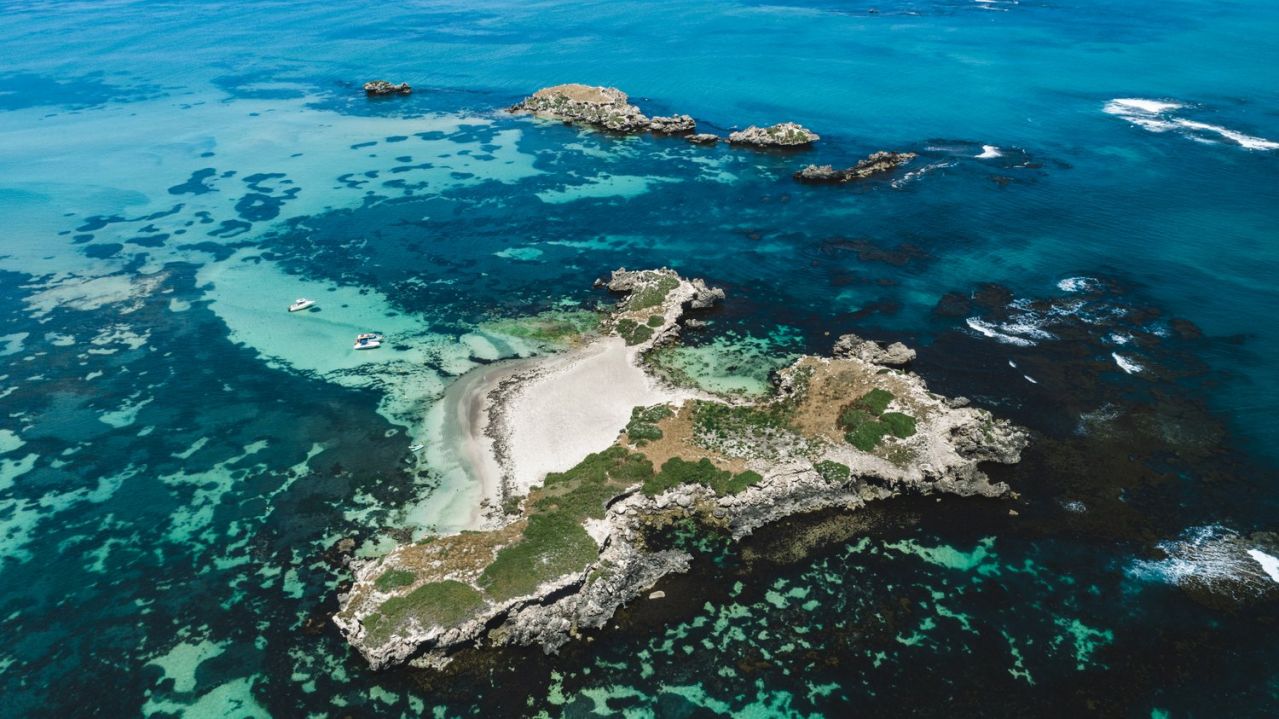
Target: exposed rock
659, 594
703, 138
605, 107
377, 88
873, 165
705, 296
674, 125
892, 355
786, 134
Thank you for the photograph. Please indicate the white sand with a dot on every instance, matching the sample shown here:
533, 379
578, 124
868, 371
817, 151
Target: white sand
559, 409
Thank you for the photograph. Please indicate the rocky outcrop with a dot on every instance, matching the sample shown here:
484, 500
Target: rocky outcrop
877, 163
378, 88
705, 296
674, 125
782, 135
604, 107
702, 138
892, 355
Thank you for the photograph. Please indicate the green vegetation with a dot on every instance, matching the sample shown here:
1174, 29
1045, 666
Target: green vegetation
655, 321
865, 422
643, 425
653, 294
677, 472
554, 542
553, 545
833, 472
394, 579
633, 332
874, 401
443, 603
901, 425
722, 420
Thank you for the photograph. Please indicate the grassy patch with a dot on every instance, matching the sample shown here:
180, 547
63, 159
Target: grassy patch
865, 423
901, 425
833, 472
554, 543
676, 472
655, 321
643, 425
874, 401
394, 579
441, 603
633, 332
653, 294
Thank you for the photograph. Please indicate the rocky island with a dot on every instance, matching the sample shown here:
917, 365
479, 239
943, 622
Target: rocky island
781, 135
590, 454
605, 107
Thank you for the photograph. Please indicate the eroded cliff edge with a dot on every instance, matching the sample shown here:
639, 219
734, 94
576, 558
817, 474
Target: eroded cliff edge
837, 432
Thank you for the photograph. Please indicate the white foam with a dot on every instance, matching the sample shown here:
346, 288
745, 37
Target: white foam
1269, 564
1077, 284
1129, 105
1128, 365
1153, 115
1247, 141
988, 151
1030, 379
986, 329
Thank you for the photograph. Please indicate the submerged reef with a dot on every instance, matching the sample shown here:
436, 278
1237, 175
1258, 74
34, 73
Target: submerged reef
877, 163
835, 433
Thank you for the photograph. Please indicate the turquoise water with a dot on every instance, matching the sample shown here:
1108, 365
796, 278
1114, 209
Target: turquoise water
178, 455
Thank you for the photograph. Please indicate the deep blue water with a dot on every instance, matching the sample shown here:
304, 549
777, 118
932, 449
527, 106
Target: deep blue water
178, 456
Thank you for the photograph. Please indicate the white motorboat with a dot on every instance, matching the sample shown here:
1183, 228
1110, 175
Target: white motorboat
300, 304
367, 341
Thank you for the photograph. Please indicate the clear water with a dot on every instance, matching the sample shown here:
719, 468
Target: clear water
178, 454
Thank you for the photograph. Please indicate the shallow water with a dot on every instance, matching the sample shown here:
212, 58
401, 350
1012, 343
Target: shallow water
178, 454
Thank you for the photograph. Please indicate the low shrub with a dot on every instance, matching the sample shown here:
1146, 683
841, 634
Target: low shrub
901, 425
394, 579
833, 472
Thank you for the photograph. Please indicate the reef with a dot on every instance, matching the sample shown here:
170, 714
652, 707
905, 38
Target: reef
702, 138
781, 135
836, 433
378, 88
877, 163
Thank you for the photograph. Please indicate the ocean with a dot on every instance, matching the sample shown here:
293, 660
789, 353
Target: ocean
1086, 245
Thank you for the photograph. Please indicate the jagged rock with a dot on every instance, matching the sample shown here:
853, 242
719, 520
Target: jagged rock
892, 355
785, 134
873, 165
606, 107
694, 324
703, 138
659, 594
674, 125
705, 296
378, 88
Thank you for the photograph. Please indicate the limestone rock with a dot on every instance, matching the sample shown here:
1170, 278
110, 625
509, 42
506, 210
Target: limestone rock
674, 125
892, 355
703, 138
378, 88
877, 163
605, 107
785, 134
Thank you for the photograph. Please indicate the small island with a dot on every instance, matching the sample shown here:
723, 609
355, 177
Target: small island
585, 454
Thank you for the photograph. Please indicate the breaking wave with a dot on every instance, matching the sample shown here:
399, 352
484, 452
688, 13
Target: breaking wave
1156, 116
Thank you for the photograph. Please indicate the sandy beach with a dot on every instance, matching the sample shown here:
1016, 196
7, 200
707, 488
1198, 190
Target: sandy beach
511, 423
